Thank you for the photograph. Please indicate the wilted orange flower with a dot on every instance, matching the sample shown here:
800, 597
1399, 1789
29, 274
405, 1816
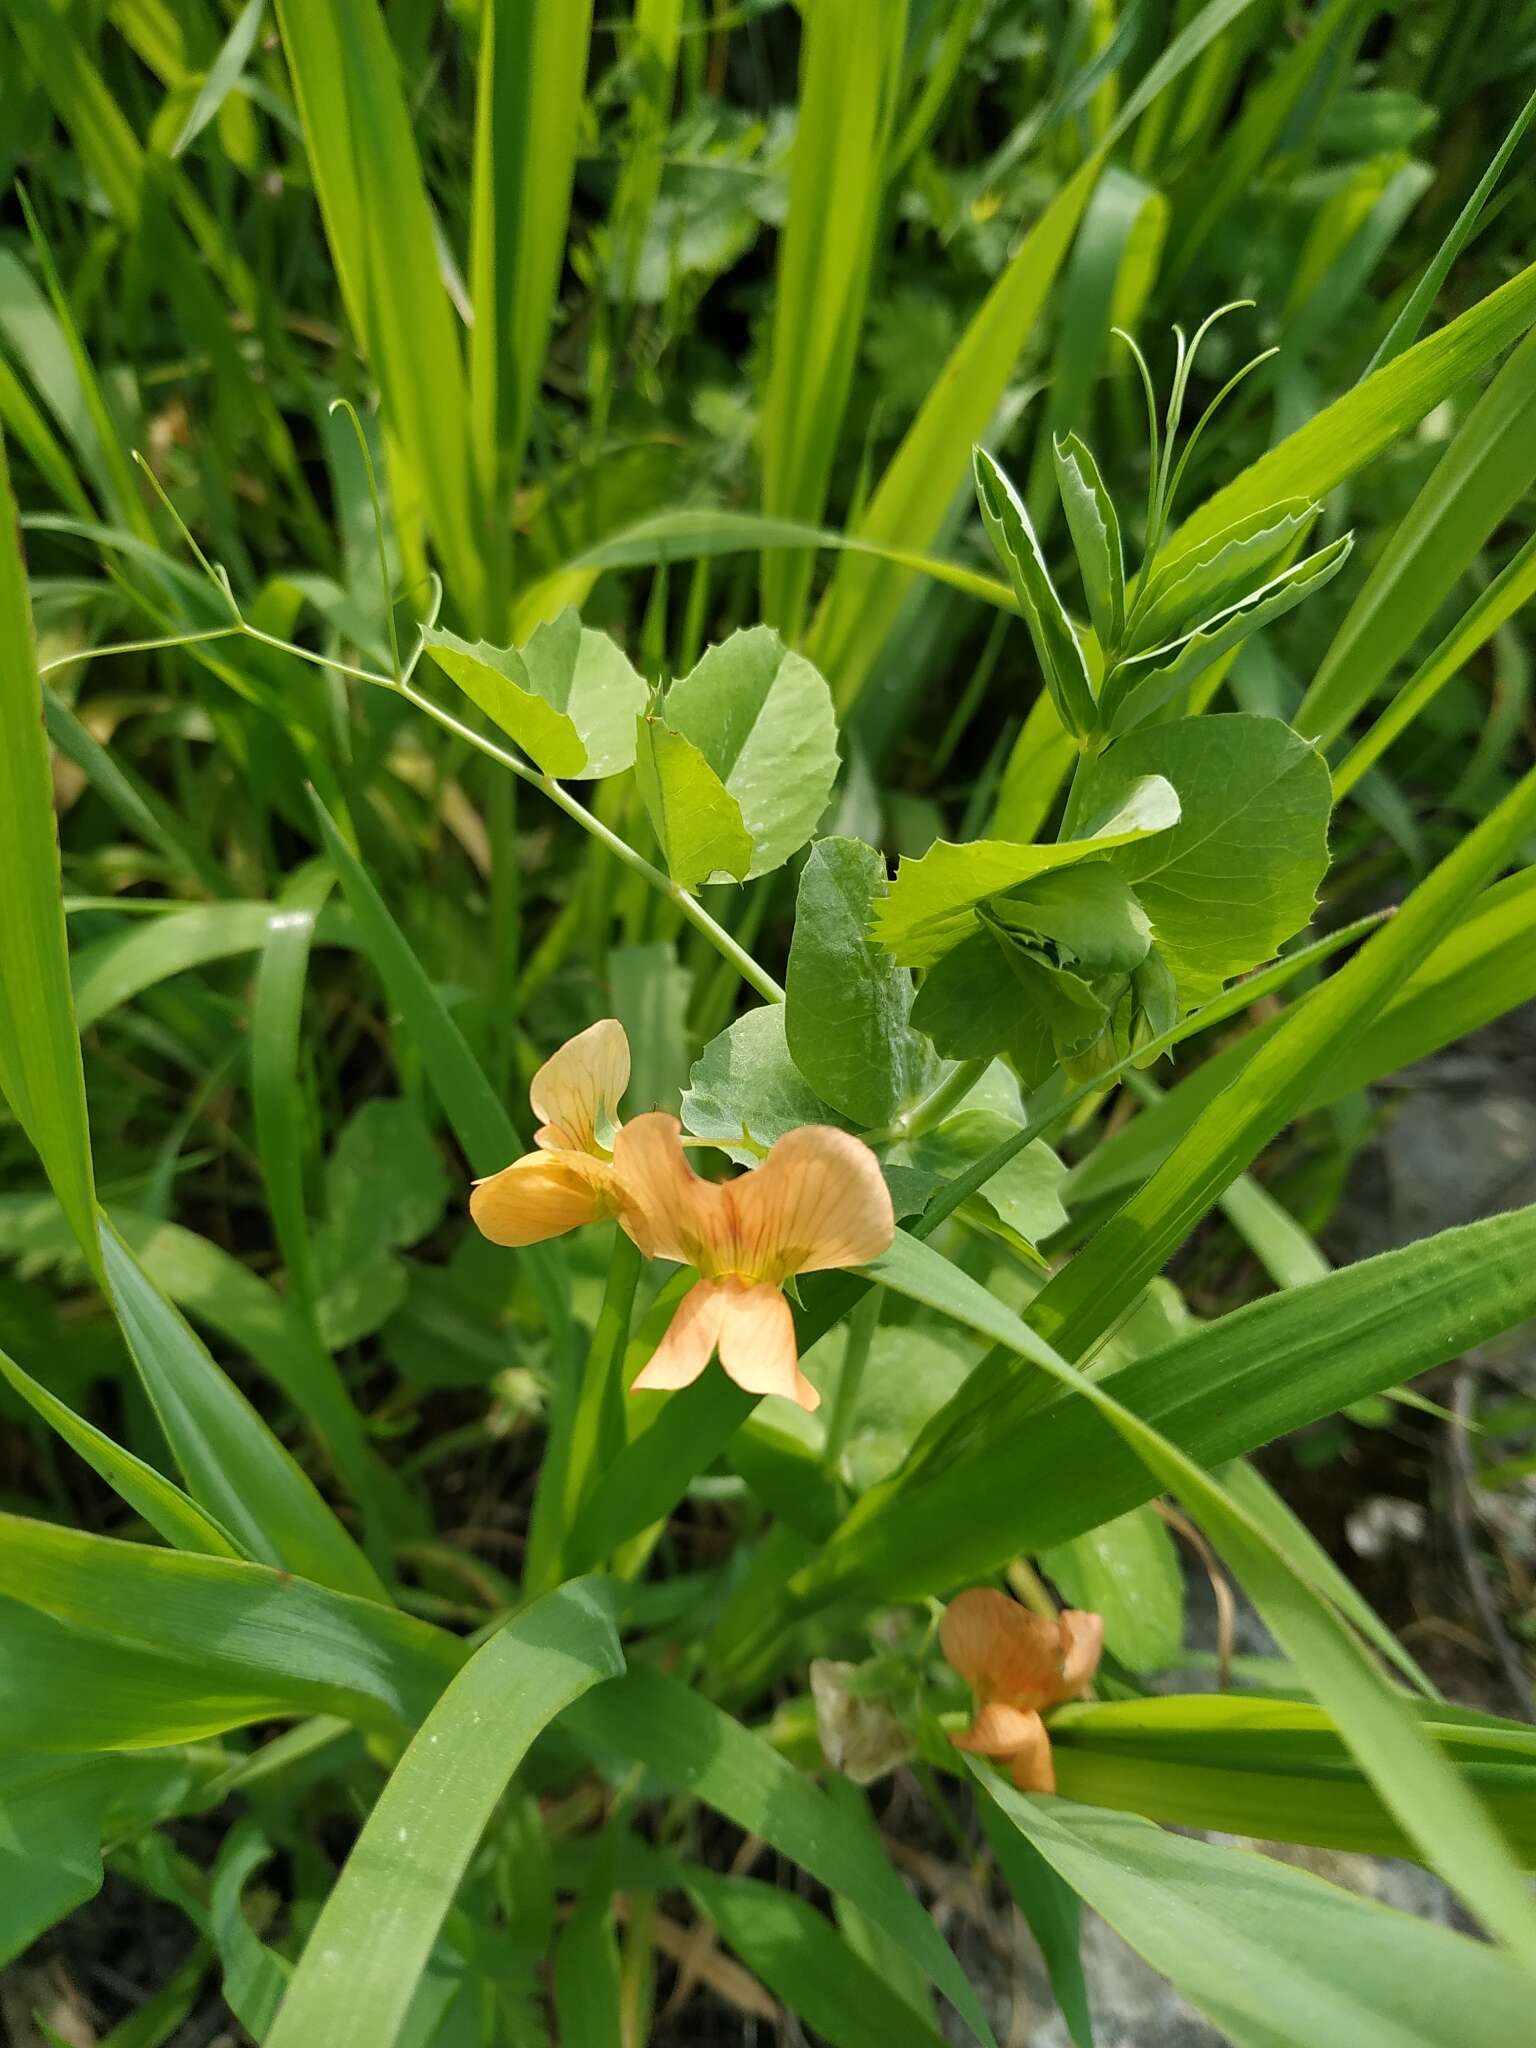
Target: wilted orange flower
817, 1201
570, 1179
1018, 1664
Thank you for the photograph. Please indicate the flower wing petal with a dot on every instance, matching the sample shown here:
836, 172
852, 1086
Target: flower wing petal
757, 1345
818, 1200
668, 1211
689, 1343
1082, 1645
541, 1195
577, 1091
1002, 1650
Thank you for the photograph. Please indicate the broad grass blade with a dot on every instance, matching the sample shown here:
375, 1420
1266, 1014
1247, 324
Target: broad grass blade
360, 1966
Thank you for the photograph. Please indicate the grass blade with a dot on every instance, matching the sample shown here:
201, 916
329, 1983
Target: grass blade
532, 70
379, 224
850, 63
233, 1465
40, 1069
110, 1645
359, 1969
1269, 1953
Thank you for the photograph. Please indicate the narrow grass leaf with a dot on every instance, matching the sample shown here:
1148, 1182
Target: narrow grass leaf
369, 1946
1271, 1954
110, 1645
40, 1069
233, 1465
696, 1748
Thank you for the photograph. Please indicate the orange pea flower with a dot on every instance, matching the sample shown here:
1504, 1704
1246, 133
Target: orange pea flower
1018, 1664
569, 1179
817, 1201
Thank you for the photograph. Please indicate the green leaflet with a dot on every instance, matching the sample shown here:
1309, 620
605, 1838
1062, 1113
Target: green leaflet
847, 1003
744, 1084
932, 903
1186, 589
1238, 874
1095, 528
1082, 1301
1277, 1958
365, 1953
1057, 647
697, 822
569, 696
1144, 684
758, 756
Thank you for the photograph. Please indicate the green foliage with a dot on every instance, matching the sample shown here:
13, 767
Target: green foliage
1142, 686
569, 698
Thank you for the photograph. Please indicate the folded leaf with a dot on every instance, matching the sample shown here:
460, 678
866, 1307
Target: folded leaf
761, 718
1095, 529
1140, 687
697, 822
932, 903
1057, 646
569, 697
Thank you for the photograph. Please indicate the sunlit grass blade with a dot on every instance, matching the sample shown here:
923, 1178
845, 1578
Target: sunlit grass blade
360, 1966
110, 1645
850, 64
1269, 1953
1484, 472
532, 73
908, 504
1404, 330
1344, 436
379, 225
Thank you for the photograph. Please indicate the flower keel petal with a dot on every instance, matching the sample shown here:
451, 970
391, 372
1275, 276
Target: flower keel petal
757, 1345
689, 1343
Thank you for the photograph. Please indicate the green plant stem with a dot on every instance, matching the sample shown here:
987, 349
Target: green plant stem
586, 1428
862, 1324
932, 1110
690, 906
756, 977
